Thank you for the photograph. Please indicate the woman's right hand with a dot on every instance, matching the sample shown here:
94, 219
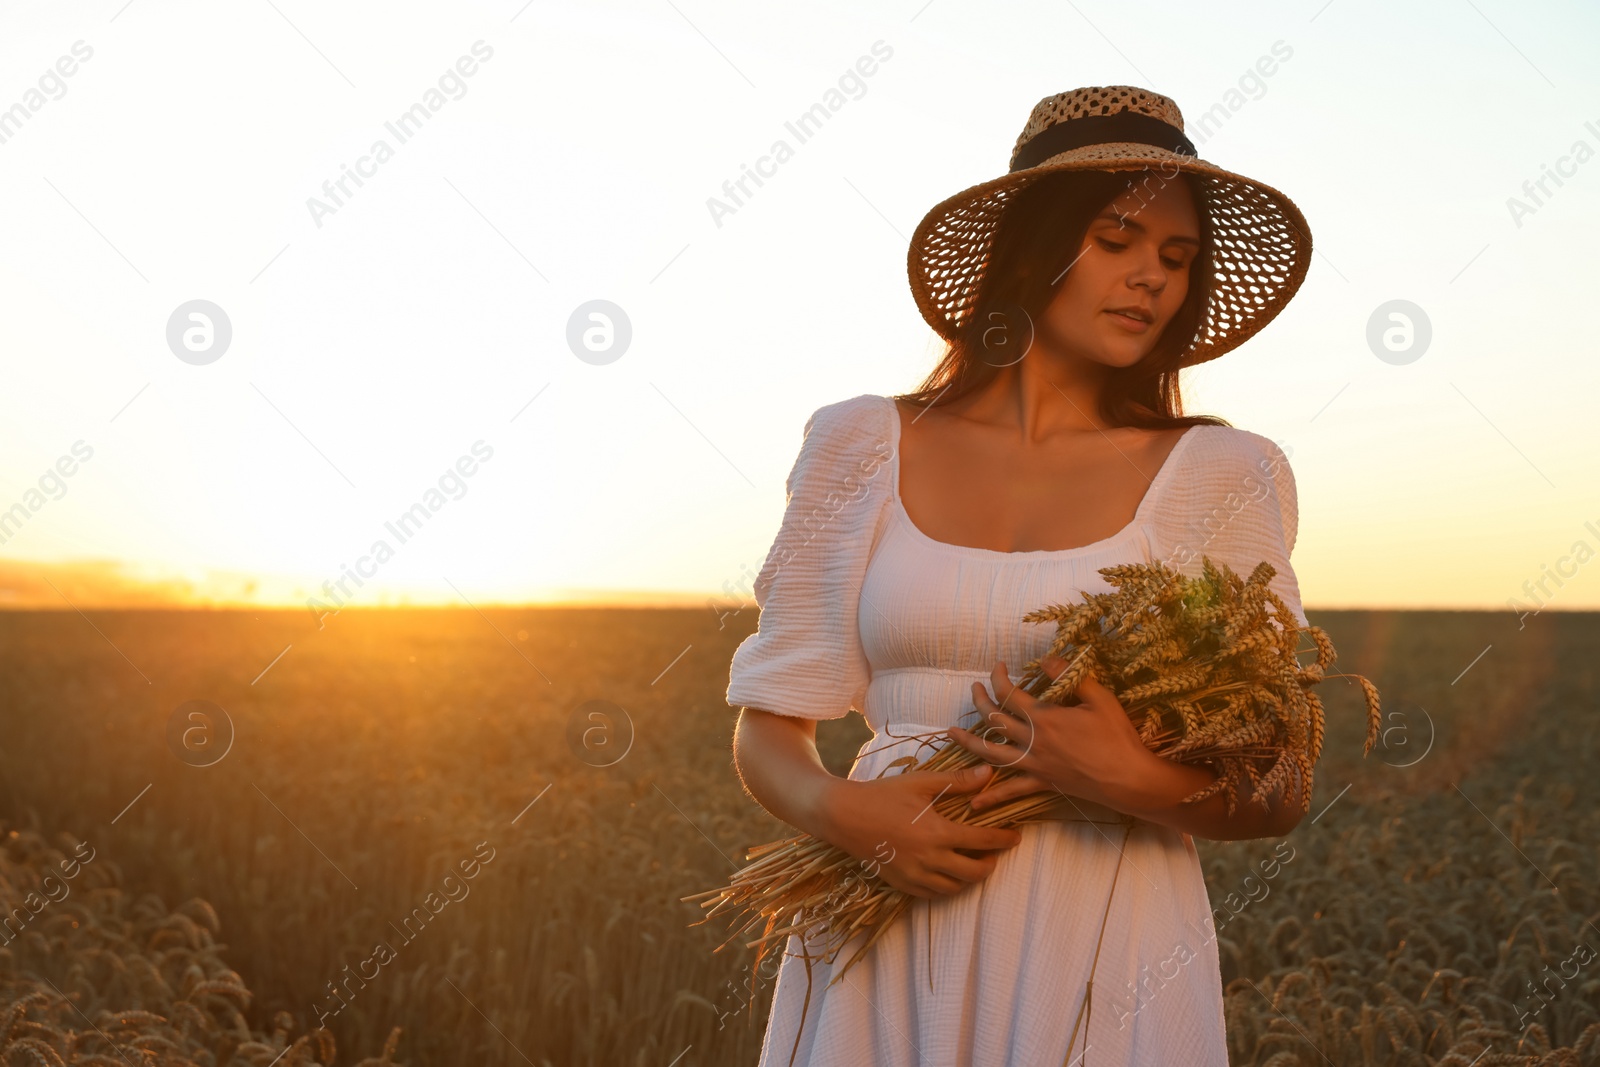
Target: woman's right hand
890, 825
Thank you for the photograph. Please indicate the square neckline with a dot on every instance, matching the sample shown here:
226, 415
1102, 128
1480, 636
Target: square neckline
898, 506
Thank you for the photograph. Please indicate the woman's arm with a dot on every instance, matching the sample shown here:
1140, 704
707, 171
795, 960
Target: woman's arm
885, 822
1153, 789
776, 757
1090, 749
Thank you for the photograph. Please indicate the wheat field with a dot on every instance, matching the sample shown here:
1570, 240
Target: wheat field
421, 838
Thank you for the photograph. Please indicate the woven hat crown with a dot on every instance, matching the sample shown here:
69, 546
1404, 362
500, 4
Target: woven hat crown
1096, 100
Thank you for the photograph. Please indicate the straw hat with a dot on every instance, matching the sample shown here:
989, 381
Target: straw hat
1261, 245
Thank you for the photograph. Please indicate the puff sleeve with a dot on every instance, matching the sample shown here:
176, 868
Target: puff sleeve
806, 658
1235, 501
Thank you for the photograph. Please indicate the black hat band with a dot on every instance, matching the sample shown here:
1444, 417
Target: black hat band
1124, 126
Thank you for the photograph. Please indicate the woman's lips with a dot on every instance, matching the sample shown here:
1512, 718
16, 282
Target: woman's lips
1128, 322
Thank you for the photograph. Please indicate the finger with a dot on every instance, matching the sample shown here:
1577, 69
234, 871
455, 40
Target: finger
967, 779
1013, 699
1004, 689
991, 743
972, 733
935, 883
1005, 711
1020, 786
969, 741
1018, 741
1012, 723
996, 724
964, 869
984, 702
1093, 691
998, 793
987, 837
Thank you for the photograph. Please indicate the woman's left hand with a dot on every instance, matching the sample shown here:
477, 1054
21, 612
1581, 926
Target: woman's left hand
1083, 749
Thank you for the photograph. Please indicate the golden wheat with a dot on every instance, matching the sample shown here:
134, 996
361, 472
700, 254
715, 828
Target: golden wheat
120, 954
393, 765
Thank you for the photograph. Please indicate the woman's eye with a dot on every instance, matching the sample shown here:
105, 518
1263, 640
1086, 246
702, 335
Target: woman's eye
1173, 264
1111, 245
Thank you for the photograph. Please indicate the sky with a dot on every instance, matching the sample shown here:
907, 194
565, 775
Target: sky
416, 336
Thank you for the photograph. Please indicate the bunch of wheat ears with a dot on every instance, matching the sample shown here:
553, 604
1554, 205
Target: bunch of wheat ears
1205, 677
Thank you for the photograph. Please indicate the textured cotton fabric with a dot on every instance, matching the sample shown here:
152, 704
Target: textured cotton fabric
860, 609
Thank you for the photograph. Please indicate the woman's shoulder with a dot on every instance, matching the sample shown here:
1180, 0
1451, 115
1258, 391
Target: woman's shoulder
847, 442
847, 430
867, 412
1225, 470
1231, 452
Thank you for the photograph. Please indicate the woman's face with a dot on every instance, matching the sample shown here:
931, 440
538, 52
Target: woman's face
1130, 276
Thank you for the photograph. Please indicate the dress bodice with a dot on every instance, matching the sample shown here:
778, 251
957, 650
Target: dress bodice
928, 605
859, 608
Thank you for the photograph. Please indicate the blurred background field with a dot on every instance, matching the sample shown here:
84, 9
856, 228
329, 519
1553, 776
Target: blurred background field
1441, 899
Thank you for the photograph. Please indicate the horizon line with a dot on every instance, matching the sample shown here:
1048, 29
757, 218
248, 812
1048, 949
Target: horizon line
662, 603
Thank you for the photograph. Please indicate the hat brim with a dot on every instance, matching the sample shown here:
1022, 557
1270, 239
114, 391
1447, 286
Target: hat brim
1260, 248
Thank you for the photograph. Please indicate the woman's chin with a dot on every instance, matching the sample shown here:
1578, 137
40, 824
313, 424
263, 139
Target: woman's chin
1110, 352
1124, 354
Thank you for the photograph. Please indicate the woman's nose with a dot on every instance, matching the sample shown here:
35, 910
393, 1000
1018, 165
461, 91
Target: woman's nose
1147, 272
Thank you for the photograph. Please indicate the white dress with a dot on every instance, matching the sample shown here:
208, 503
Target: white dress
861, 609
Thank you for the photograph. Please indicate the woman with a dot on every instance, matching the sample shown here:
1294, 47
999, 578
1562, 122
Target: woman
1047, 444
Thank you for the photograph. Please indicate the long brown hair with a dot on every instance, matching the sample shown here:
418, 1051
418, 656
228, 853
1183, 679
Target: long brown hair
1041, 230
